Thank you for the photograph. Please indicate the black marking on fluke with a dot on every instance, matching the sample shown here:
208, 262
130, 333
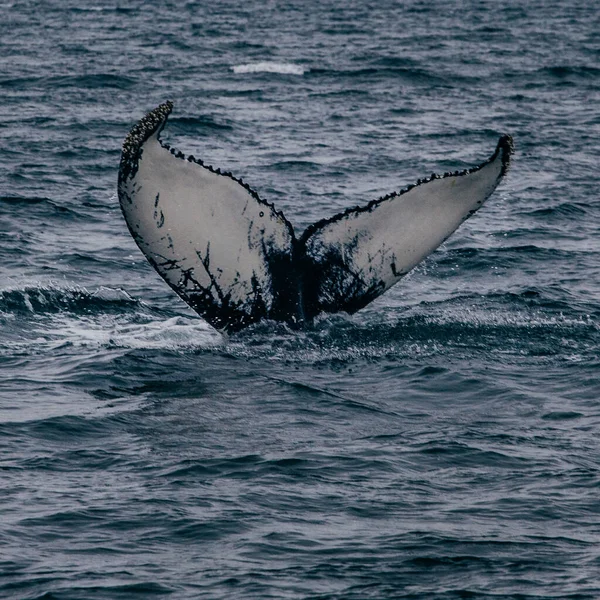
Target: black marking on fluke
339, 263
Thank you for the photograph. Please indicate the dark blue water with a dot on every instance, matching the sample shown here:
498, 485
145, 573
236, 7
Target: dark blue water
441, 443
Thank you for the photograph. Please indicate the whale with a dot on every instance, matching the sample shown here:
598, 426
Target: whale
235, 259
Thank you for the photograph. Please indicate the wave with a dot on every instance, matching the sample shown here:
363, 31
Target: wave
269, 67
25, 200
203, 122
527, 322
75, 300
25, 212
565, 71
507, 325
409, 74
299, 166
566, 210
52, 317
93, 80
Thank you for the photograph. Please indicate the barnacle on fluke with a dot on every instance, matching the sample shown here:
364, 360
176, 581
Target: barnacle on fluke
235, 259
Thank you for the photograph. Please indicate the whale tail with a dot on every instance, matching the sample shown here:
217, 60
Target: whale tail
236, 260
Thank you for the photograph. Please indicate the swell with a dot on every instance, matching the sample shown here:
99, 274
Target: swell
40, 300
442, 443
539, 248
90, 81
409, 74
528, 321
41, 204
507, 326
199, 124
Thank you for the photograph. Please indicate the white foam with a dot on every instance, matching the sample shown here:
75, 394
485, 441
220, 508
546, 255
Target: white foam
174, 333
106, 331
269, 67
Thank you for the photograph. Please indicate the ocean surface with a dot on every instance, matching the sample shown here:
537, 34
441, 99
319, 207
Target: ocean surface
442, 443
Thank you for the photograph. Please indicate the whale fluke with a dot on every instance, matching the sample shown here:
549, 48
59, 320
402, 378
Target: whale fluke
236, 260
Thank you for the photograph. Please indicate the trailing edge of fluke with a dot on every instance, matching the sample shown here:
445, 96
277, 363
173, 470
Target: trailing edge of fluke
236, 260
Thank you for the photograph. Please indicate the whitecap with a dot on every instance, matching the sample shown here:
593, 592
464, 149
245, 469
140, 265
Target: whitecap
177, 333
269, 67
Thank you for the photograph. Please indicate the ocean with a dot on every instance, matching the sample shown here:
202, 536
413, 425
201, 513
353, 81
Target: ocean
441, 443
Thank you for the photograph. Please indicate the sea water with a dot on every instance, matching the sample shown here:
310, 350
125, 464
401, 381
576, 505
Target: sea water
441, 443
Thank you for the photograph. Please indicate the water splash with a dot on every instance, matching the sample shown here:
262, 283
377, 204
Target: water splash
269, 67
